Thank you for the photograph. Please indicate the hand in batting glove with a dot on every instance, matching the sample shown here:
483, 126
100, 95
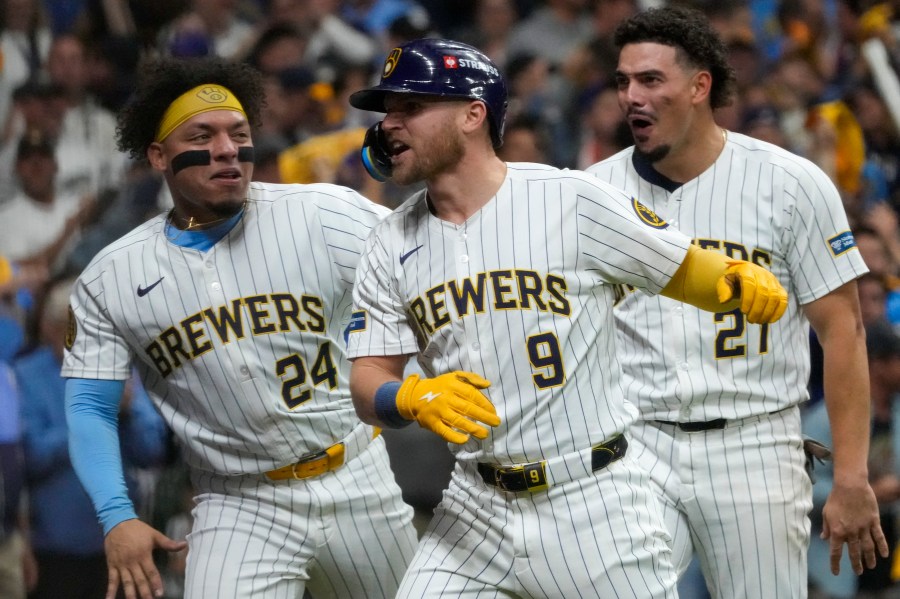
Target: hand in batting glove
763, 299
448, 402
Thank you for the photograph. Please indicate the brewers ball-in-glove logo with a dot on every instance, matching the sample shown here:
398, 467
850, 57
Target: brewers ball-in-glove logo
213, 95
648, 216
390, 62
71, 330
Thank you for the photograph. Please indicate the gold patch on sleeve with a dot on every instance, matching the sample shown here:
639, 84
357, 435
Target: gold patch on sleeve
71, 330
647, 216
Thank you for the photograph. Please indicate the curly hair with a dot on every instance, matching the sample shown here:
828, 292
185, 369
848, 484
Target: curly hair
688, 31
163, 80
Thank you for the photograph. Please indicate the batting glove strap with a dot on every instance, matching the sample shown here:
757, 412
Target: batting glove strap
386, 406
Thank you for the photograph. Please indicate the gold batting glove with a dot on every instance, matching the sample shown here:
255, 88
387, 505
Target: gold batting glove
448, 404
762, 297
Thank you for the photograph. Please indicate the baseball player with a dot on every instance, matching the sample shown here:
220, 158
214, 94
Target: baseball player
718, 396
232, 308
501, 279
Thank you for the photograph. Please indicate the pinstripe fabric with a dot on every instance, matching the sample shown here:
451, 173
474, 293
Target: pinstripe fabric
484, 542
557, 225
241, 348
755, 201
539, 264
739, 495
285, 273
343, 534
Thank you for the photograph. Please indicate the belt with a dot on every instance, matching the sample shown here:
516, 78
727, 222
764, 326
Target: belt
696, 427
718, 423
533, 476
320, 462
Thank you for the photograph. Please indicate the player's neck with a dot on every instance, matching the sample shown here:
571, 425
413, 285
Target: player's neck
456, 195
198, 222
698, 152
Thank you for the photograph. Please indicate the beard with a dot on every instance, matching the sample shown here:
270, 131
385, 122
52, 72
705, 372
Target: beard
437, 155
653, 155
228, 207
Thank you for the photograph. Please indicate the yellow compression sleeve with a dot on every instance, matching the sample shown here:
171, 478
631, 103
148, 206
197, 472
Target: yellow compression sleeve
695, 281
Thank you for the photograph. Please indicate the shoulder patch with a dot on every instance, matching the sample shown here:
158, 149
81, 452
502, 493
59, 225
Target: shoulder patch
647, 216
841, 243
358, 322
71, 330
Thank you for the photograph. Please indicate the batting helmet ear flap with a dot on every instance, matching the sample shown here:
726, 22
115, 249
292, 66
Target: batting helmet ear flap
376, 156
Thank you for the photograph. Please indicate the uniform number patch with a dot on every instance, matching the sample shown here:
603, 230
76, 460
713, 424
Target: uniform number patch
842, 242
647, 216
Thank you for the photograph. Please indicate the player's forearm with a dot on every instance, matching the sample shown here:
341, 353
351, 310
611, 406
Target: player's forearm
846, 384
91, 412
838, 325
367, 375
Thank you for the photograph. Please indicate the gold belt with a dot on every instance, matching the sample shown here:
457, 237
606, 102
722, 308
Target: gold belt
314, 464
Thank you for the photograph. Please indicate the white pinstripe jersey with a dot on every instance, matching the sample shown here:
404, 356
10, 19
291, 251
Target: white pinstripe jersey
241, 346
522, 294
756, 202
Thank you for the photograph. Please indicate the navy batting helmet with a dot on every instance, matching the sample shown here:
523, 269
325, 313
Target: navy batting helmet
439, 67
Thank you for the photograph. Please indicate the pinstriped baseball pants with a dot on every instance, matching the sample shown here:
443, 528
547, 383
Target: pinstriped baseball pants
343, 534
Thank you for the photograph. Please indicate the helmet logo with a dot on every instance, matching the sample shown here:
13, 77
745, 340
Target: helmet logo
450, 62
391, 62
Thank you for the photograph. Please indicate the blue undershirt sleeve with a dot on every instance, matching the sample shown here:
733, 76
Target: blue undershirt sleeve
92, 409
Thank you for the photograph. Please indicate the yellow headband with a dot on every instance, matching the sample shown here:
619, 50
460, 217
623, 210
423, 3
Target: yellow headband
202, 98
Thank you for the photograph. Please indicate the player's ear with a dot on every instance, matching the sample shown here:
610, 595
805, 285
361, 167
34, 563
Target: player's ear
156, 157
476, 117
701, 86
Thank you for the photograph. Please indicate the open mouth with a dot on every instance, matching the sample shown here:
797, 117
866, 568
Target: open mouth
231, 174
396, 148
640, 124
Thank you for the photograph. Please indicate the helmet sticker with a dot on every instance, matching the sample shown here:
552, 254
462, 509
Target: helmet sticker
391, 62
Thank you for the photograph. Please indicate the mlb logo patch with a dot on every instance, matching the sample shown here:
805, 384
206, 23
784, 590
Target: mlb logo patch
358, 322
450, 62
841, 242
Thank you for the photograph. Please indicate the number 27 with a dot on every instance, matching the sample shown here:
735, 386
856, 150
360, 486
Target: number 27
725, 338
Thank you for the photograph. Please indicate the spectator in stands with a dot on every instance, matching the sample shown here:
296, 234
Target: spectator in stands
86, 153
24, 44
65, 536
39, 222
208, 28
553, 31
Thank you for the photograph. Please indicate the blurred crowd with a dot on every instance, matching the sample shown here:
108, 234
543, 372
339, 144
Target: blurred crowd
817, 77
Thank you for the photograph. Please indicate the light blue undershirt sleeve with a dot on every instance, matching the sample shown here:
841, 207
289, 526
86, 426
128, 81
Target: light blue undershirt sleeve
92, 410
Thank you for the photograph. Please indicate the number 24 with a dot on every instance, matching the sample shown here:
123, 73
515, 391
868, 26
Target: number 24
293, 373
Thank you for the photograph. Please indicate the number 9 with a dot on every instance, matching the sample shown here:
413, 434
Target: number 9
545, 355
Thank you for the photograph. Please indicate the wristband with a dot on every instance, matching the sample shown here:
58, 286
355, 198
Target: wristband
386, 406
